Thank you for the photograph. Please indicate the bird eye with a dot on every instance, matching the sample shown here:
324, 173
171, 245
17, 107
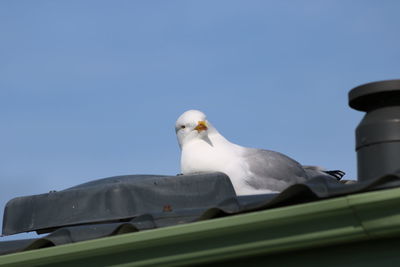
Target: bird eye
183, 127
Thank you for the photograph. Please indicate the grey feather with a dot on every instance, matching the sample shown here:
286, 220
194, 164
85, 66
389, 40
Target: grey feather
275, 171
272, 170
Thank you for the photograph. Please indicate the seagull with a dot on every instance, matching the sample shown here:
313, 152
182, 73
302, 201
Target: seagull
251, 170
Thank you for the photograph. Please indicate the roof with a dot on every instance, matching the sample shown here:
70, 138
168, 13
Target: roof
337, 230
329, 210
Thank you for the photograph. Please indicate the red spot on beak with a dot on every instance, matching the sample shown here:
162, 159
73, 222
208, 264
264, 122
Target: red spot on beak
201, 126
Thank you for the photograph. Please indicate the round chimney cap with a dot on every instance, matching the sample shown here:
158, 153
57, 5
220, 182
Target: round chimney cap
374, 95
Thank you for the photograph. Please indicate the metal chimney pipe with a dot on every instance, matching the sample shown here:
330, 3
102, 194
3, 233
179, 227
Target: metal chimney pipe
378, 134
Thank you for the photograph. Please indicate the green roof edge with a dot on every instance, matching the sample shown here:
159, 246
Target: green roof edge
353, 218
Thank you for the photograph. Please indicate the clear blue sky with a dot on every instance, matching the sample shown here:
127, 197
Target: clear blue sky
91, 89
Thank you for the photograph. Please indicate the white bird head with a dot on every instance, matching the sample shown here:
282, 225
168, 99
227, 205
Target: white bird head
192, 125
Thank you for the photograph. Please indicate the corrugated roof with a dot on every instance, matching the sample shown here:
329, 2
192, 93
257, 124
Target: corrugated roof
324, 233
220, 205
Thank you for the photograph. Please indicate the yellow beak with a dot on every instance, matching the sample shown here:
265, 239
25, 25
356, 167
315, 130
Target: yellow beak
201, 126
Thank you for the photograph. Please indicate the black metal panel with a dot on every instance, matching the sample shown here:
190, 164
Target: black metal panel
119, 198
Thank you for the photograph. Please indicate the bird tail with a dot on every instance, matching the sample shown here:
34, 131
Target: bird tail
337, 174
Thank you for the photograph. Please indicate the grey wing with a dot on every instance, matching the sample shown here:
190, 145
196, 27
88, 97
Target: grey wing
272, 170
